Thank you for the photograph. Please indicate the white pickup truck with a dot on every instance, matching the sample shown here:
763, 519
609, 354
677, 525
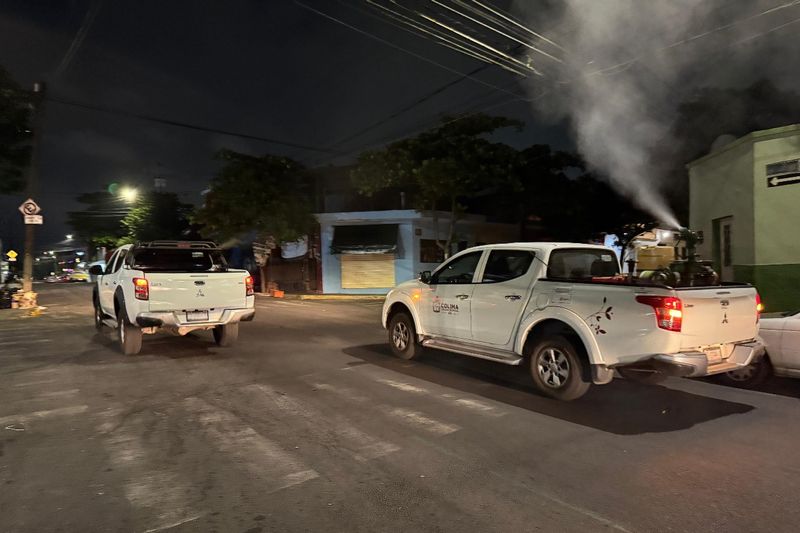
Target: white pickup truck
179, 286
565, 311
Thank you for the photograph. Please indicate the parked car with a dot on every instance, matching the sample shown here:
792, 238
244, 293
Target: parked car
178, 286
781, 336
564, 311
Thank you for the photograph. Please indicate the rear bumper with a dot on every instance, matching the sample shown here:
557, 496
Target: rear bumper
177, 319
696, 364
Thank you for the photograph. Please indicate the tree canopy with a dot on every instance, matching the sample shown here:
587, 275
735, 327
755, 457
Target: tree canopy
100, 223
267, 195
15, 134
442, 166
158, 215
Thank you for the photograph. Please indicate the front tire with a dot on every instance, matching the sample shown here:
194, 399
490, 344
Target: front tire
557, 369
403, 337
226, 335
748, 377
130, 336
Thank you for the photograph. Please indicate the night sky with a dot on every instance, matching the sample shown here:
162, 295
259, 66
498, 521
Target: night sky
267, 68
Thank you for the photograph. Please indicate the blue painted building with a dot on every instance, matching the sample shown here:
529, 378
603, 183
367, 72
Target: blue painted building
369, 252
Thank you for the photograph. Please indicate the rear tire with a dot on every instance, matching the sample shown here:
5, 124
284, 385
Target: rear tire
226, 335
130, 336
403, 337
557, 369
748, 377
647, 377
98, 315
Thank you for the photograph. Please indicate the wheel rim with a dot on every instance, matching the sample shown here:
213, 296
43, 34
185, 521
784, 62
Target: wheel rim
743, 374
553, 368
401, 336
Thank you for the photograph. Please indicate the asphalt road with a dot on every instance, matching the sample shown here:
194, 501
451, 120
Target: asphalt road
308, 424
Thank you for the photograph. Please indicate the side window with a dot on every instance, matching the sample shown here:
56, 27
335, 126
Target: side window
111, 261
504, 265
459, 270
120, 260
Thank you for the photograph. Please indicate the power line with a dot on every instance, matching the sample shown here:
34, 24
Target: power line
397, 47
196, 127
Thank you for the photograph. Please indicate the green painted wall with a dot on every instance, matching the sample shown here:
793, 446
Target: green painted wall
721, 185
777, 209
779, 285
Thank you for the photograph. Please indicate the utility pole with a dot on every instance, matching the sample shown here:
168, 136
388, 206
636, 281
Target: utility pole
33, 185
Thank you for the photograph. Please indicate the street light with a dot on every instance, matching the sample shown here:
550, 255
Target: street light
129, 194
69, 236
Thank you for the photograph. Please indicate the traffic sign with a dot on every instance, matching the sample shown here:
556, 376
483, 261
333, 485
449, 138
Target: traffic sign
29, 207
34, 219
785, 179
12, 255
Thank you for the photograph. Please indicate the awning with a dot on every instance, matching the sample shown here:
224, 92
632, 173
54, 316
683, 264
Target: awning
365, 239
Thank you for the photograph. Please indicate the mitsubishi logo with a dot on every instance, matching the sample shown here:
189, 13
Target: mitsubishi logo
200, 293
725, 318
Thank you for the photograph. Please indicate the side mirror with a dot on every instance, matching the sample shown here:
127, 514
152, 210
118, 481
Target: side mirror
96, 270
425, 276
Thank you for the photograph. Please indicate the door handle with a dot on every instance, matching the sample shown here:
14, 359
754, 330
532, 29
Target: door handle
462, 296
513, 297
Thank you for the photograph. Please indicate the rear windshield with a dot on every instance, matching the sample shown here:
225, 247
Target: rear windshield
582, 264
177, 260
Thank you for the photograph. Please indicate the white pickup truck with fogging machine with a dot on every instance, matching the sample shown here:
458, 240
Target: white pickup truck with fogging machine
565, 311
177, 286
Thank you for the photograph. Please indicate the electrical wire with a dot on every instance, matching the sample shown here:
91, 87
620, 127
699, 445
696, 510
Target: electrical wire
397, 47
196, 127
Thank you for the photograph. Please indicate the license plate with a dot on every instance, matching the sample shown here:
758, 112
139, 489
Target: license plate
714, 355
197, 316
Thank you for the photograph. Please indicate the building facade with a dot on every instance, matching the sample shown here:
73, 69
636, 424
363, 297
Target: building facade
745, 197
369, 252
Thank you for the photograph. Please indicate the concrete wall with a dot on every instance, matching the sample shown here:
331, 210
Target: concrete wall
766, 220
472, 229
721, 185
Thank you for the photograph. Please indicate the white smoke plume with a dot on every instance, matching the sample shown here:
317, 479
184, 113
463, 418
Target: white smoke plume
628, 63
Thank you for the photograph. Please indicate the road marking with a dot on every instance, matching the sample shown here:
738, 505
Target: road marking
160, 497
403, 386
474, 405
277, 468
40, 415
413, 418
421, 421
359, 444
27, 341
32, 383
57, 394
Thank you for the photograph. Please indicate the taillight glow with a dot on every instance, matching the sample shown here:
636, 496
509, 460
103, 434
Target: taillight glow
248, 283
759, 307
668, 309
141, 289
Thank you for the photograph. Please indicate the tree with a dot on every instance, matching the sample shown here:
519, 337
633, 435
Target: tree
267, 195
15, 134
100, 224
156, 216
442, 166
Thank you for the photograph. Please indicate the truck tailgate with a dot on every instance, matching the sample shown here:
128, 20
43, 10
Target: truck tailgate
176, 291
718, 315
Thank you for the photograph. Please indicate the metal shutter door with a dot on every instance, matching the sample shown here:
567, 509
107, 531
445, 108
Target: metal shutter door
367, 271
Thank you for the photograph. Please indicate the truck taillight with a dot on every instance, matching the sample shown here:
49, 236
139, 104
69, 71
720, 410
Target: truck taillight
759, 307
248, 284
669, 310
141, 289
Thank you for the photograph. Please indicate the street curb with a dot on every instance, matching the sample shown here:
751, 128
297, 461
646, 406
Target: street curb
331, 297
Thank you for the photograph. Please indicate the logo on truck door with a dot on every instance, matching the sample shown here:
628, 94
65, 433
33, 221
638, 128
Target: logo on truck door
443, 307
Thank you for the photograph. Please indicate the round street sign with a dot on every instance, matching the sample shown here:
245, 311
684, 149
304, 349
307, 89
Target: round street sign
29, 207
